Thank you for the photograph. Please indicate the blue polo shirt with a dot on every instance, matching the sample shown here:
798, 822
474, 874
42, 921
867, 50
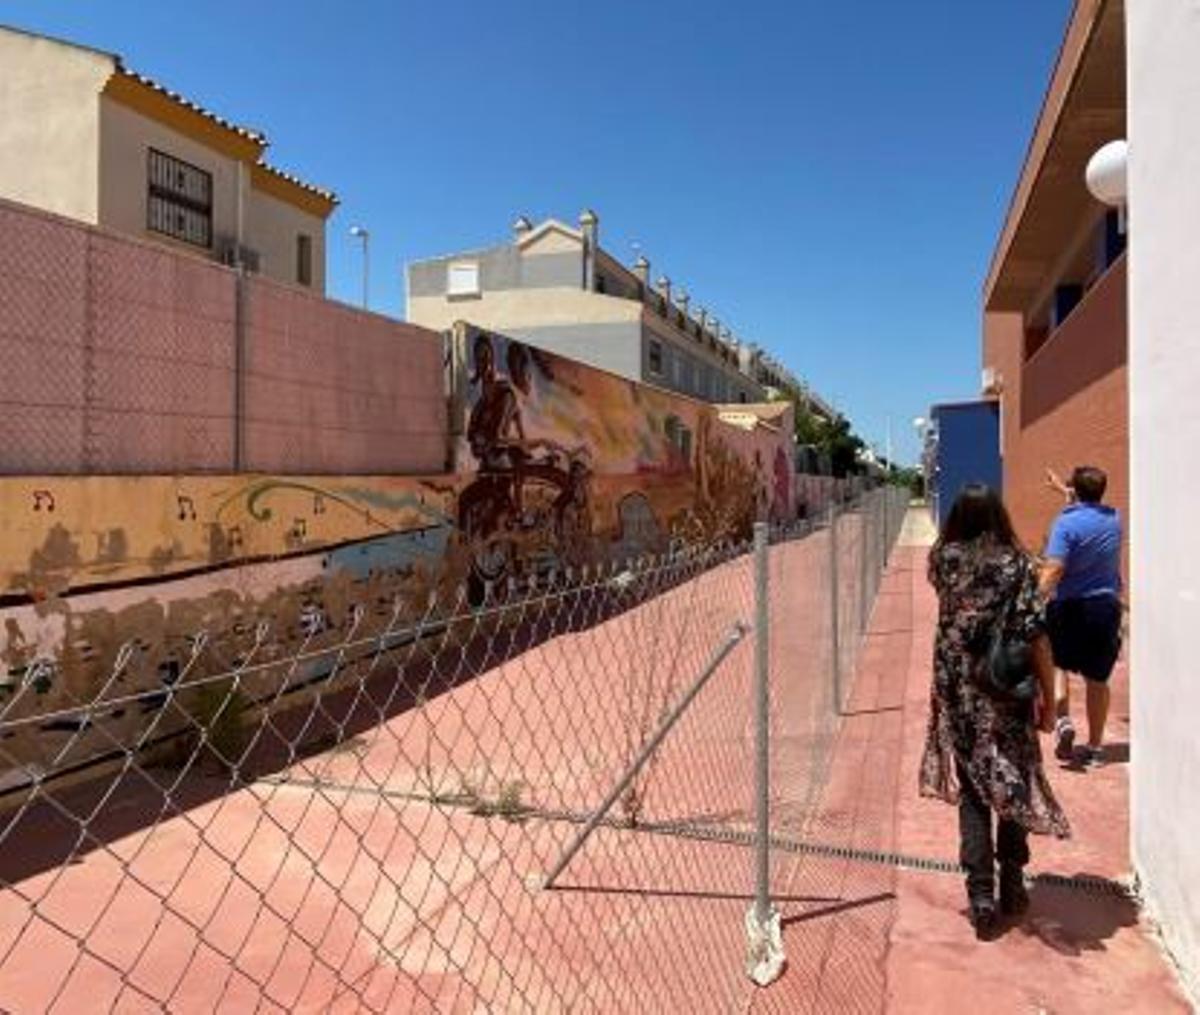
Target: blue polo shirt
1087, 539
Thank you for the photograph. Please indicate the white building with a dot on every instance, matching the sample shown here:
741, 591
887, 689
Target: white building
85, 137
1163, 41
555, 287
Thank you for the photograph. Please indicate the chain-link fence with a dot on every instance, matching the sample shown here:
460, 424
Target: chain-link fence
561, 799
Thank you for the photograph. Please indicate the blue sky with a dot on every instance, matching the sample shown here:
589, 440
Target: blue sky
827, 178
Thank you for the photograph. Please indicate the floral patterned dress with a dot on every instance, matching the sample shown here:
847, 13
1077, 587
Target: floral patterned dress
979, 584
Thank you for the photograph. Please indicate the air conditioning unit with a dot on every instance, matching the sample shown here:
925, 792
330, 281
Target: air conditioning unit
991, 383
230, 254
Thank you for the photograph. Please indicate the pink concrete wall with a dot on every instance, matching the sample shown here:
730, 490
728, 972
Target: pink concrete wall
42, 277
159, 372
333, 389
119, 356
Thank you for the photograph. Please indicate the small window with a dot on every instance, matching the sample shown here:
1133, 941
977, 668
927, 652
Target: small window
304, 263
462, 279
178, 199
656, 358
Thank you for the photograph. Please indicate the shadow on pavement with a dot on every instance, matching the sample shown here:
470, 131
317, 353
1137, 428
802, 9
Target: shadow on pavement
882, 709
45, 824
1073, 922
838, 907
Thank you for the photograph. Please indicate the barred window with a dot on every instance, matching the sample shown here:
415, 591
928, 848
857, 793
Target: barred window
179, 200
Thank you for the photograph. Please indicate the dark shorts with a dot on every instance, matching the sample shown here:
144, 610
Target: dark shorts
1086, 635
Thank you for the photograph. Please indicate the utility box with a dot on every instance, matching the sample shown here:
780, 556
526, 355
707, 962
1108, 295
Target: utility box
966, 449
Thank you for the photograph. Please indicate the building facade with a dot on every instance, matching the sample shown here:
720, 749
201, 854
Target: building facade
555, 287
1054, 301
84, 137
1164, 371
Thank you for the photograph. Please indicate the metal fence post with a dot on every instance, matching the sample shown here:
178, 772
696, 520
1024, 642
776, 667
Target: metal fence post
881, 529
864, 568
887, 524
835, 611
764, 936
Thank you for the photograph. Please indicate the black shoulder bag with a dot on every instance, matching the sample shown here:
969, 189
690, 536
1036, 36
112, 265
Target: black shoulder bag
1004, 670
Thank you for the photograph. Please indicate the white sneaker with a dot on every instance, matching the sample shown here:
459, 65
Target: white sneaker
1093, 757
1064, 739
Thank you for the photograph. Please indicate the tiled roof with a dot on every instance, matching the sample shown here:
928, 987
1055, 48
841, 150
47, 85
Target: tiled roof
321, 192
248, 133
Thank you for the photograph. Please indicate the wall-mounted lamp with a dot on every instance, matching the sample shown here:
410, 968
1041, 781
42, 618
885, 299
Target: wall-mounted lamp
1107, 177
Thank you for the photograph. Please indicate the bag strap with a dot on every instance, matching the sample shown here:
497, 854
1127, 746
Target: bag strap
1006, 614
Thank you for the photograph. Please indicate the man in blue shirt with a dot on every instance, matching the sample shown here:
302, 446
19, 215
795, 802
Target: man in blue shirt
1082, 571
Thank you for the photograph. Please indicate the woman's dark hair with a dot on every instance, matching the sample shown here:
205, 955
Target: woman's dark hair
978, 511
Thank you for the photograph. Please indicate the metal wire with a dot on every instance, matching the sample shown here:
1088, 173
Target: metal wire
351, 807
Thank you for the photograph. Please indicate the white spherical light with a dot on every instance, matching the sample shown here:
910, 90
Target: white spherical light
1105, 173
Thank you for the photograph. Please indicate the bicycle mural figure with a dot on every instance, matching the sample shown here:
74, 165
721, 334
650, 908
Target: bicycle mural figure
530, 503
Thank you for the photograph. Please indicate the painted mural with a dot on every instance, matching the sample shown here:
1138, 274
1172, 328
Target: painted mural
568, 464
115, 589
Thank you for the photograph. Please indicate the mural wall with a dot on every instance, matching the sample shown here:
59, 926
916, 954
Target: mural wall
561, 462
557, 465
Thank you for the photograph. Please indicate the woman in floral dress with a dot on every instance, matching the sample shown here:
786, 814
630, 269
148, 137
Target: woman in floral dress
982, 753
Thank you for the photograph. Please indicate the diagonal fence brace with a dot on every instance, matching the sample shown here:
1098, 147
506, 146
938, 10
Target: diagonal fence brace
731, 641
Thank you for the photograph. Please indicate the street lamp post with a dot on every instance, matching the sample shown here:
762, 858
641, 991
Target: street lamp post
365, 236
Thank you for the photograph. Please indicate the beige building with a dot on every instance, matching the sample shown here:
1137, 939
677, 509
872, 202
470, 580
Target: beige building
555, 287
83, 136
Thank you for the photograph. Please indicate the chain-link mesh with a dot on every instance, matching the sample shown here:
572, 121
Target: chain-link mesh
366, 822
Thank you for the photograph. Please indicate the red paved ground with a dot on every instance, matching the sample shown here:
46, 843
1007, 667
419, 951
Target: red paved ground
343, 887
1074, 952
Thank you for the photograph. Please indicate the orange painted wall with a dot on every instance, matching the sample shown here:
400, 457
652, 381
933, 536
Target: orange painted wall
1067, 405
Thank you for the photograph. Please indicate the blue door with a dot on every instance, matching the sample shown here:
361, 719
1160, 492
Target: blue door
968, 450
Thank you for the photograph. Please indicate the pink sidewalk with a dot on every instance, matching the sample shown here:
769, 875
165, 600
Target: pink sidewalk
1075, 951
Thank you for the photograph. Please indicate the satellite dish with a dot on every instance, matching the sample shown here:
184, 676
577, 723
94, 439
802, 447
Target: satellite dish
1106, 173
